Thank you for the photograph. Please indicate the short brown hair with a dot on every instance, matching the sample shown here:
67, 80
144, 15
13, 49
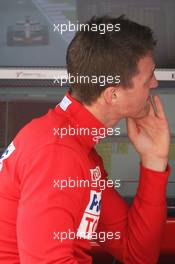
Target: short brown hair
113, 53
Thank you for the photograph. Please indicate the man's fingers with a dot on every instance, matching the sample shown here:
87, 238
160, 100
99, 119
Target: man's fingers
151, 109
160, 111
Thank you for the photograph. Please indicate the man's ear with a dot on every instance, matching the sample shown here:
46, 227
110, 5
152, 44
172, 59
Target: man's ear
110, 95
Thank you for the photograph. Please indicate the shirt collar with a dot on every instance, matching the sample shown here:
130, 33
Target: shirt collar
82, 118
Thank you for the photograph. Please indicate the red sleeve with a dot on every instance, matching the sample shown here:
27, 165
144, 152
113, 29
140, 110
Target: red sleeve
140, 226
44, 210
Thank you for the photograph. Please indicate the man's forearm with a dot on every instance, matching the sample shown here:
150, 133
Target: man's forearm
147, 217
142, 224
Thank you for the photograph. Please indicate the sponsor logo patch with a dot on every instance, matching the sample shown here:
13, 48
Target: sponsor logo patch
65, 103
90, 217
9, 150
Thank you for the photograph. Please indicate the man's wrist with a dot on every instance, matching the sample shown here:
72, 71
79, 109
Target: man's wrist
154, 163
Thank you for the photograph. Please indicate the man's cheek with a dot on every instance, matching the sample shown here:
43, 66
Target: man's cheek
143, 110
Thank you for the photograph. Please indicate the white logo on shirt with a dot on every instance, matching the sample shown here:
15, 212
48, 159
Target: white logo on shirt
65, 103
9, 150
90, 217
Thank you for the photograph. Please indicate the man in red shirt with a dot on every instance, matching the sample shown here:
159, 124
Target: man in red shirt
51, 201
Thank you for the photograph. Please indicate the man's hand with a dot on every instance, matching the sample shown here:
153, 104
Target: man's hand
151, 137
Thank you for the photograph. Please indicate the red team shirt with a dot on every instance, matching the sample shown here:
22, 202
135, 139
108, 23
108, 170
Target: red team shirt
35, 211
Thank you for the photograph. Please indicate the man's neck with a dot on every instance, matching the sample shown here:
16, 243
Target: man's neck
100, 112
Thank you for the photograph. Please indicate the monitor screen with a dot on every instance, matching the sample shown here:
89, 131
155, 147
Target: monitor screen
36, 33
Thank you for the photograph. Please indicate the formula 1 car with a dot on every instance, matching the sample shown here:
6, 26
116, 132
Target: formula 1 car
27, 33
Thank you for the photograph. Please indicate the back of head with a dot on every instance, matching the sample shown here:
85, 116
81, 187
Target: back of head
106, 46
